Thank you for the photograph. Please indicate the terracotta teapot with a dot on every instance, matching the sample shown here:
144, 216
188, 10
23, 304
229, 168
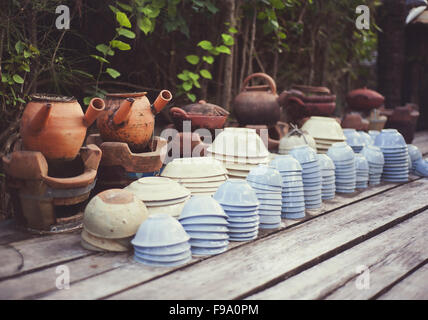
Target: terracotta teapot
201, 114
130, 118
56, 126
257, 104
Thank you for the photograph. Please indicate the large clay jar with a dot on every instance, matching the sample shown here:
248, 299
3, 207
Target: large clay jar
56, 126
257, 105
364, 99
130, 118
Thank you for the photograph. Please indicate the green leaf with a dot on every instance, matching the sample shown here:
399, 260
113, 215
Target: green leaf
223, 49
120, 45
113, 73
206, 45
233, 30
187, 86
196, 84
206, 74
208, 59
194, 76
124, 6
86, 100
104, 49
100, 59
25, 67
20, 100
282, 35
27, 54
126, 33
123, 20
114, 9
191, 96
227, 39
192, 59
19, 47
18, 79
145, 25
183, 76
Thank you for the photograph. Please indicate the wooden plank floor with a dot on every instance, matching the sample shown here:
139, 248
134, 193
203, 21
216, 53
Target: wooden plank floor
370, 245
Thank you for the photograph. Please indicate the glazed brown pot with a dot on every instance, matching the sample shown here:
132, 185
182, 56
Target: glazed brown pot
202, 115
404, 119
257, 104
310, 90
56, 126
130, 118
364, 99
355, 121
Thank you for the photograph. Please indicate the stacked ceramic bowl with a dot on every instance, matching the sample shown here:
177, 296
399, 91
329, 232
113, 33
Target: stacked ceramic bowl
354, 139
202, 176
367, 139
205, 222
240, 150
325, 131
344, 160
362, 167
111, 219
160, 195
375, 160
293, 194
311, 175
373, 134
421, 168
267, 183
328, 177
161, 241
415, 155
394, 149
240, 203
292, 140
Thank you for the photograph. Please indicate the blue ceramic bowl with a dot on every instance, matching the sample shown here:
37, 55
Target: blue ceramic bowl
421, 168
414, 152
286, 163
205, 228
294, 216
209, 243
270, 226
373, 155
373, 134
291, 179
165, 250
390, 138
204, 220
227, 208
201, 206
263, 187
196, 251
304, 154
162, 264
163, 258
263, 174
340, 152
368, 141
271, 219
160, 230
244, 225
353, 138
292, 210
236, 192
270, 202
267, 196
325, 162
361, 163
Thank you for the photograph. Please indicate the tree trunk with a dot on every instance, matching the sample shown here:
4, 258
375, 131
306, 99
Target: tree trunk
228, 64
391, 56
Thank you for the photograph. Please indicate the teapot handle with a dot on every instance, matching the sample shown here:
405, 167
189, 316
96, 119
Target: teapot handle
266, 77
180, 112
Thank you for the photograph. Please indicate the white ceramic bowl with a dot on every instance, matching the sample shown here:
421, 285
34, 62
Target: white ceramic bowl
194, 168
236, 192
157, 189
202, 206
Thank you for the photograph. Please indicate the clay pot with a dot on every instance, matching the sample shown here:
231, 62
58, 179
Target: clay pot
130, 118
257, 105
404, 119
202, 115
56, 126
354, 120
364, 99
309, 90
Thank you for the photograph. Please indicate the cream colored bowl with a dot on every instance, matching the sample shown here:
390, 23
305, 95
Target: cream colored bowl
114, 245
239, 142
219, 178
289, 142
173, 210
239, 160
114, 214
194, 168
324, 128
157, 189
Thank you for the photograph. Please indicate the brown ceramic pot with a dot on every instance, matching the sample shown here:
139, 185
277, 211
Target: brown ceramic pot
257, 105
404, 119
56, 126
364, 99
130, 118
355, 121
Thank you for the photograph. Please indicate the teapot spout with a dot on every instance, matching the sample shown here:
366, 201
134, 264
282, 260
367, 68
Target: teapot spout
96, 105
161, 101
123, 111
41, 118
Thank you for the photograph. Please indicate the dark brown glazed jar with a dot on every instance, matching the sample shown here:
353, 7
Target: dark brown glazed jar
364, 99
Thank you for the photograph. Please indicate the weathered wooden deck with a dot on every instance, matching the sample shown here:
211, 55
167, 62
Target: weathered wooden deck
382, 231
